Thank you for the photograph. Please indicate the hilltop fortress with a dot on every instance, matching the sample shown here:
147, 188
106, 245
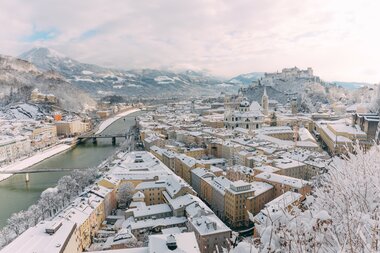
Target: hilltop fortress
283, 87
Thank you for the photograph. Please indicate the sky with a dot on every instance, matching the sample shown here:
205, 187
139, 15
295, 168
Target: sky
339, 39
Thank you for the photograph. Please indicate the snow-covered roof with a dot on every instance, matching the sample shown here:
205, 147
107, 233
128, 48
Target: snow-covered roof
151, 210
284, 200
261, 187
185, 243
291, 181
35, 239
138, 195
209, 224
286, 163
179, 202
150, 223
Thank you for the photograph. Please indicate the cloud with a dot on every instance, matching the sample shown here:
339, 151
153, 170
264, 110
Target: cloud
337, 38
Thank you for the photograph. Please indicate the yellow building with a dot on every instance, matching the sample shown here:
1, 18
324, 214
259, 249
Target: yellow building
43, 136
235, 203
291, 168
69, 128
338, 137
183, 166
196, 153
88, 212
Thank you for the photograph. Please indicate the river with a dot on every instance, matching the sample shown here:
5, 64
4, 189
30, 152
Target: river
16, 195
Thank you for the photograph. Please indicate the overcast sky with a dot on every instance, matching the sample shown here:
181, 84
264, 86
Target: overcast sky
340, 39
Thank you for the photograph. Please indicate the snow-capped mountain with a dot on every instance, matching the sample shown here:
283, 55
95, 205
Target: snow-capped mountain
19, 77
106, 81
246, 79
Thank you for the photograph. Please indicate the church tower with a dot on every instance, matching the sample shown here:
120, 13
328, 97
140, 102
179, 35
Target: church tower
265, 101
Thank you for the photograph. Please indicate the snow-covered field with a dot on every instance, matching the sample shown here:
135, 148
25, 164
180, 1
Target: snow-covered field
109, 121
39, 157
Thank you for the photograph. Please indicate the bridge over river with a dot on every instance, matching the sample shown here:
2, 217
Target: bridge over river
95, 137
16, 195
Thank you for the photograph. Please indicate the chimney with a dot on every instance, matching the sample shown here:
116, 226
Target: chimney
171, 242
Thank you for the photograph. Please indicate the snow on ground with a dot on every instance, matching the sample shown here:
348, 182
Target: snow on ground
244, 247
109, 121
134, 85
163, 80
225, 85
39, 157
236, 81
77, 78
22, 112
87, 72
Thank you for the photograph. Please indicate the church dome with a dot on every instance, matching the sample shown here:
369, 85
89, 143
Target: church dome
244, 103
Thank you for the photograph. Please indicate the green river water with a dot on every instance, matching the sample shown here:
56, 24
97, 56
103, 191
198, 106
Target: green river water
16, 195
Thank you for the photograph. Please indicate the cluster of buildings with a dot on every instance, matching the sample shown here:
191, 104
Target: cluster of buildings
39, 97
164, 214
291, 73
20, 139
239, 159
238, 170
208, 169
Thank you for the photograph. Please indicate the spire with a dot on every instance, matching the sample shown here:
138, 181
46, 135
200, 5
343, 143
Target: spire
265, 101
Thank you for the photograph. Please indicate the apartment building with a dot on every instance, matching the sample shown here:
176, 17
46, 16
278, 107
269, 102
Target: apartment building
291, 168
338, 136
69, 128
235, 207
12, 148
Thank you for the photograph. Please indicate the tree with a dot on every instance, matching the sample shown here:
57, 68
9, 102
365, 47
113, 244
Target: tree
343, 214
84, 177
68, 187
34, 214
18, 222
6, 235
273, 119
48, 202
125, 193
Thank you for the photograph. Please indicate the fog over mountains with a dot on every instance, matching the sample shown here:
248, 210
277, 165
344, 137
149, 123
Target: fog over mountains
78, 85
100, 81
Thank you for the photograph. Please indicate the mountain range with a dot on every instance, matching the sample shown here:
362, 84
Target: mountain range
78, 85
100, 81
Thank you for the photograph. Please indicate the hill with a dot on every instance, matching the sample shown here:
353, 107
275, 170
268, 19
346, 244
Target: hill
19, 77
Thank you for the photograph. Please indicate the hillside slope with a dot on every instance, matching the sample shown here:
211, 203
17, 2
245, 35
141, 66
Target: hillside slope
18, 78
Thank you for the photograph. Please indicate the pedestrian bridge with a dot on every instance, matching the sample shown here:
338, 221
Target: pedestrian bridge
32, 171
26, 172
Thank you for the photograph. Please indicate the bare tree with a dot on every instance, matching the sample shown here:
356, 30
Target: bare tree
125, 193
68, 187
18, 222
34, 214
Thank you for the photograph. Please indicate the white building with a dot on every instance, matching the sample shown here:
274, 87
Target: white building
248, 116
